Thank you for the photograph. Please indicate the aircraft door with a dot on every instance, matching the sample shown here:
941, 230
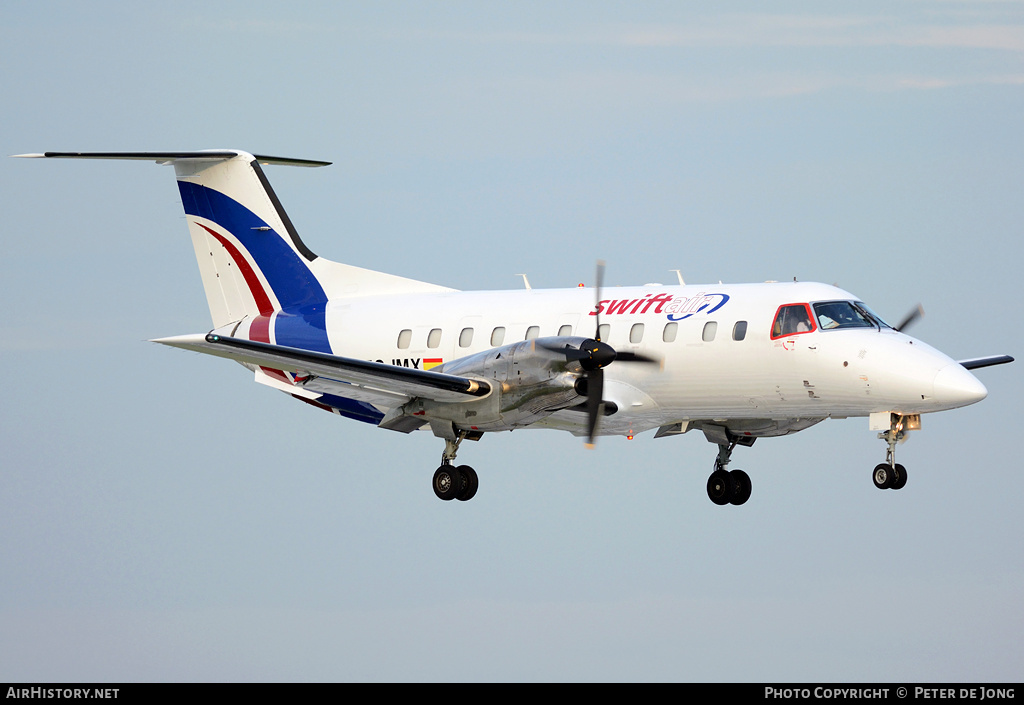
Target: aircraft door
792, 347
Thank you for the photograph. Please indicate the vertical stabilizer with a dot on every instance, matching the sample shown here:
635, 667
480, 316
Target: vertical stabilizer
252, 262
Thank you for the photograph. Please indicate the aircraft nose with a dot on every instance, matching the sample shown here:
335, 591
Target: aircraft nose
955, 386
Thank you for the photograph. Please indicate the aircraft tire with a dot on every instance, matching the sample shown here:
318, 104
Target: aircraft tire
882, 476
469, 485
899, 480
719, 487
447, 482
741, 487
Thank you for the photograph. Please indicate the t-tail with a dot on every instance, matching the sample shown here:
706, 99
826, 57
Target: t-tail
256, 270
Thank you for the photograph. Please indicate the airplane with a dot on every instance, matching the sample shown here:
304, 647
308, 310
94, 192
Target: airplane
734, 362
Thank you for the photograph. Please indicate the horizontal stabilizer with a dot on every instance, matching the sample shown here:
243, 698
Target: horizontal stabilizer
168, 157
392, 379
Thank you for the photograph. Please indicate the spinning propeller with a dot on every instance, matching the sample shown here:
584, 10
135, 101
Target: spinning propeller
910, 318
593, 356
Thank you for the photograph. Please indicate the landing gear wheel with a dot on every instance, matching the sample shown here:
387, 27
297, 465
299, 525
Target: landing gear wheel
741, 487
720, 487
899, 479
469, 485
882, 476
447, 482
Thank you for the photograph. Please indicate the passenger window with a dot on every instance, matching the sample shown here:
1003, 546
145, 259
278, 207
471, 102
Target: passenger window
710, 328
669, 334
466, 338
603, 331
565, 330
636, 333
532, 332
434, 338
739, 331
792, 319
404, 338
497, 336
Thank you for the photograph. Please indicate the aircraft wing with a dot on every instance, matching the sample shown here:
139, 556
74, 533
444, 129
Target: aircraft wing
388, 385
976, 362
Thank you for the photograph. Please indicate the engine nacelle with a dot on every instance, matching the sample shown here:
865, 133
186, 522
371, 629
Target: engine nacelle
530, 379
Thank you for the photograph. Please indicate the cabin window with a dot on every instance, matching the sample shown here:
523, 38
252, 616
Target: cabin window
603, 331
404, 338
792, 319
434, 338
739, 331
466, 338
532, 332
669, 334
497, 336
636, 333
565, 330
710, 328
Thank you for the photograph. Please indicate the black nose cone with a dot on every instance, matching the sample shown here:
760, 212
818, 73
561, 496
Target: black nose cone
598, 355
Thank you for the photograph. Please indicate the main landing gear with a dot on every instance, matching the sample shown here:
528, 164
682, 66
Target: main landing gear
890, 475
451, 482
728, 486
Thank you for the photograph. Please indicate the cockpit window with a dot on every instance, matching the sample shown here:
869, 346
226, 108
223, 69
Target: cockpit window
840, 314
846, 314
862, 307
792, 319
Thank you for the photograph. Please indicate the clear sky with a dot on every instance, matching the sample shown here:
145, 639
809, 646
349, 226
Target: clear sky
164, 518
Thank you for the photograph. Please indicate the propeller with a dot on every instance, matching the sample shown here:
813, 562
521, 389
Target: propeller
600, 352
910, 318
594, 356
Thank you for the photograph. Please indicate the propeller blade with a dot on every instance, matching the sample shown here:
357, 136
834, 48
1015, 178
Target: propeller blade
910, 318
627, 356
598, 282
595, 403
569, 351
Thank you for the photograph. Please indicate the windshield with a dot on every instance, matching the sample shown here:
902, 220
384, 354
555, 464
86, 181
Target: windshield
846, 314
872, 315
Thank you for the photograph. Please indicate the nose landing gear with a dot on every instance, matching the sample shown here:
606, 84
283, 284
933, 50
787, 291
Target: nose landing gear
890, 475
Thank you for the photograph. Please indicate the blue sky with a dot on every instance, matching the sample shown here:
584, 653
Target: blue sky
163, 518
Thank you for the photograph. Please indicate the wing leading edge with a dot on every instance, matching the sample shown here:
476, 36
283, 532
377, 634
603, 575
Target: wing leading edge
976, 362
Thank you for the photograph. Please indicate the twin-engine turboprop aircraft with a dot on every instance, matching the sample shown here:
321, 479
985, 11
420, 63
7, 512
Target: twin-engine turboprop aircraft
736, 362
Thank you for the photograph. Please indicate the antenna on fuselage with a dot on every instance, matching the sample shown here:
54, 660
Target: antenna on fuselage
525, 281
679, 276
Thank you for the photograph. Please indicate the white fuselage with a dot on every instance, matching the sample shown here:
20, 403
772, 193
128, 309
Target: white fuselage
712, 369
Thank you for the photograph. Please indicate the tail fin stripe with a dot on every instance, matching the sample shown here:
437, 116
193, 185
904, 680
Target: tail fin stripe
290, 278
255, 286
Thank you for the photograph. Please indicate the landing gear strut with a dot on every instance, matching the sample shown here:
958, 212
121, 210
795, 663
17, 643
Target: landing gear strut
890, 475
451, 482
728, 486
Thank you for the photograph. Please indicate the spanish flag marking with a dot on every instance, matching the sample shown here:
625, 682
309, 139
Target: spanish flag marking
430, 363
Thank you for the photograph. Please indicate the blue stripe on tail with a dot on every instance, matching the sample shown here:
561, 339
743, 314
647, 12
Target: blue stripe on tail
289, 276
301, 323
